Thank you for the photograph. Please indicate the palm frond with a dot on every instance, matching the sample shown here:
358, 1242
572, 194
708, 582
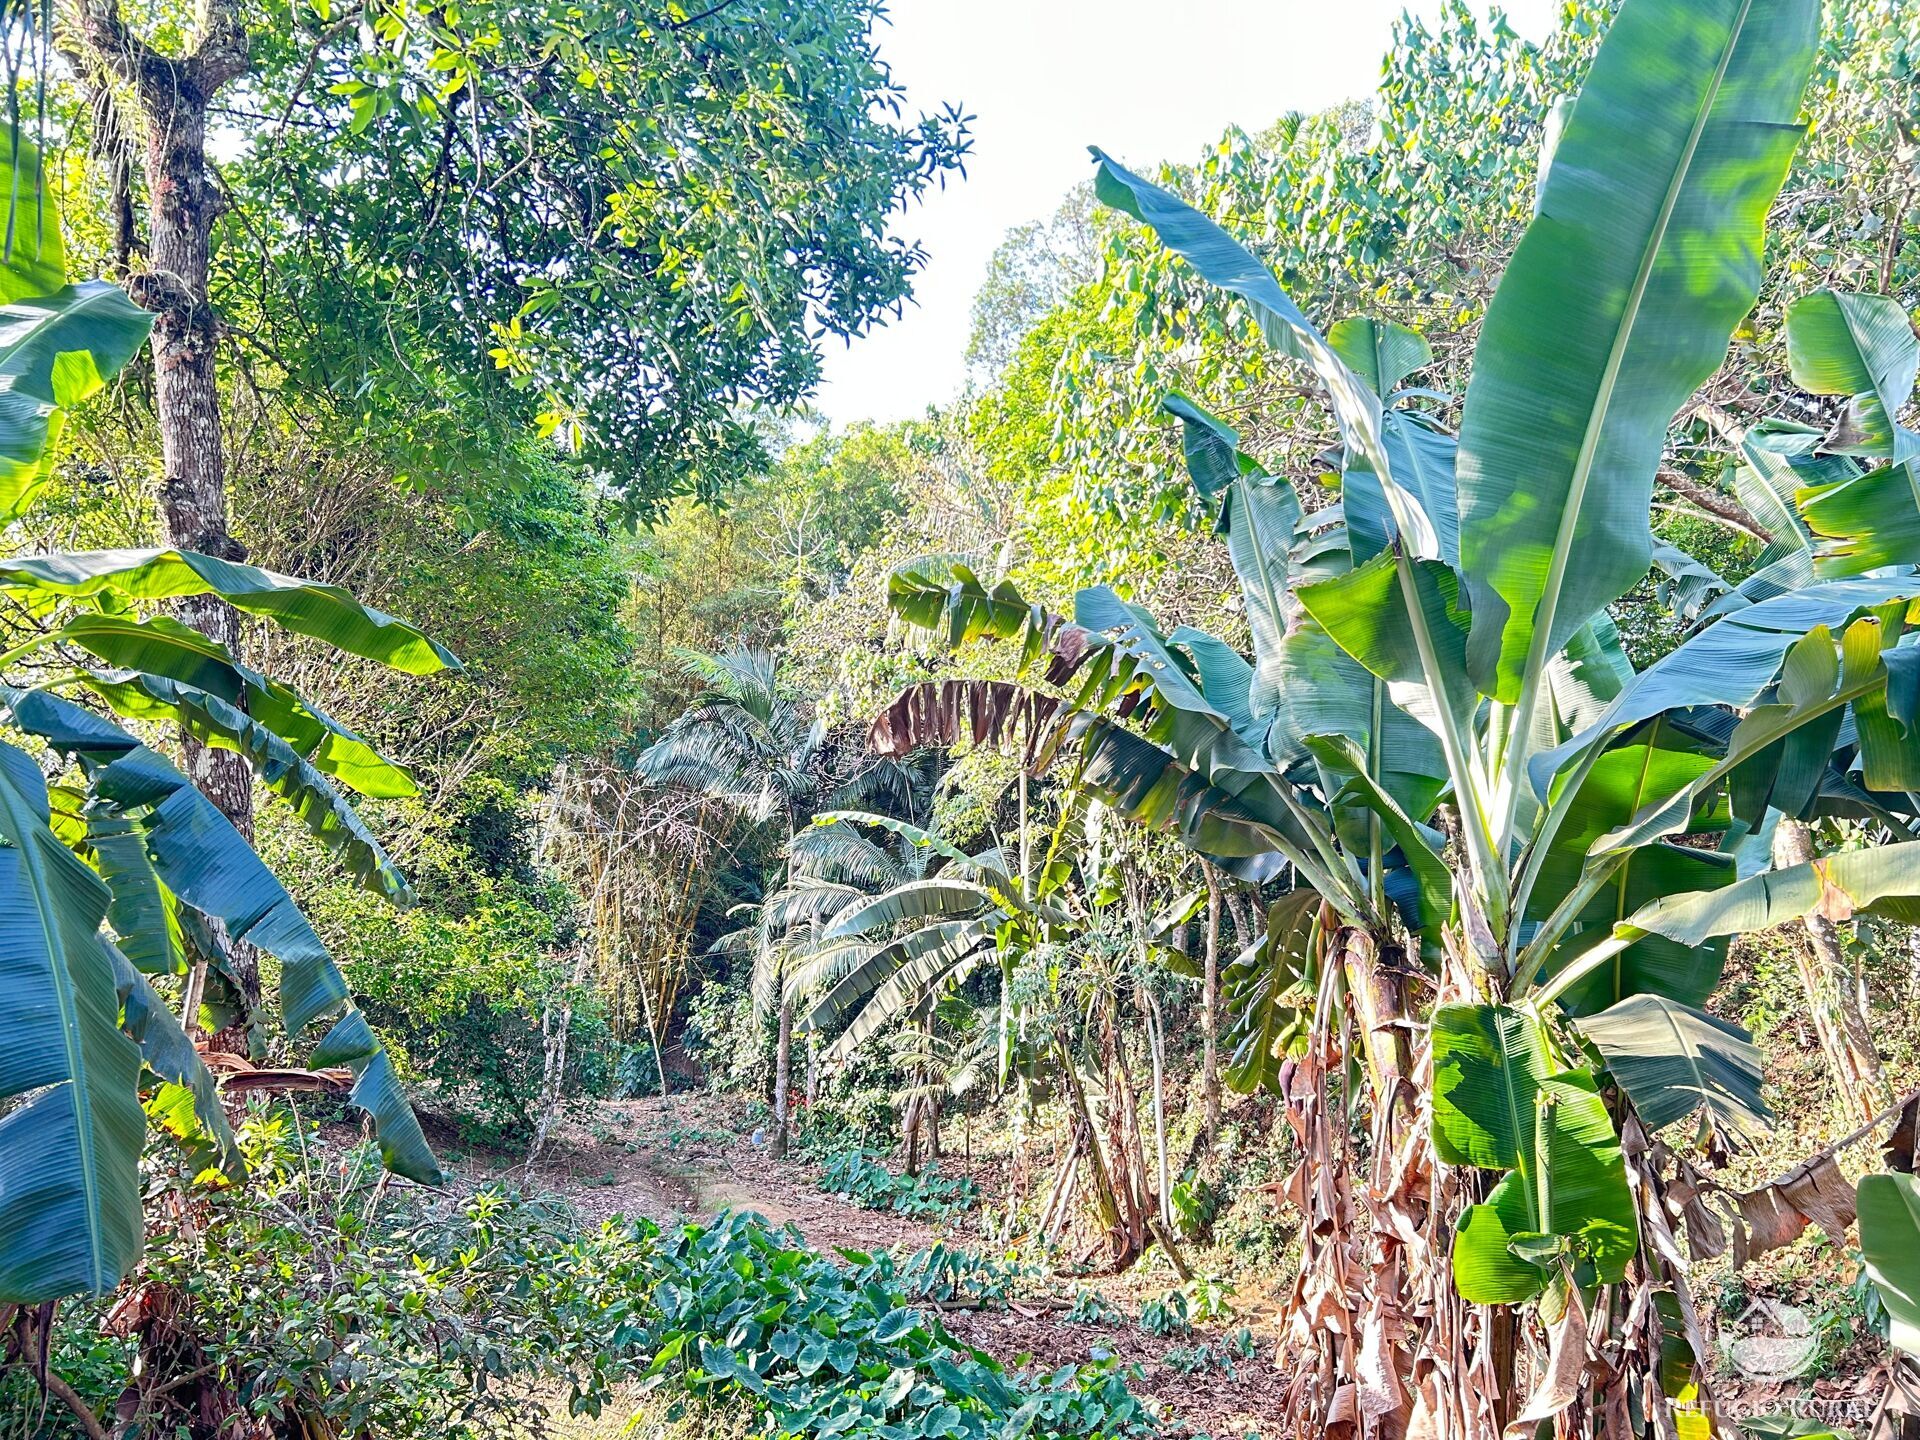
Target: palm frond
840, 853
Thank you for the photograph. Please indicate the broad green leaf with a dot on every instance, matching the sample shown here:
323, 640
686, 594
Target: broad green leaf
1621, 783
1211, 447
377, 1091
1423, 464
1881, 881
1672, 1060
1582, 1175
325, 612
1488, 1064
1862, 347
1433, 880
1226, 680
1485, 1269
142, 913
1265, 992
936, 898
327, 816
1733, 661
1864, 522
1365, 613
161, 646
59, 343
33, 257
1617, 304
170, 1055
1220, 260
1890, 1241
1381, 352
70, 1143
1325, 691
197, 855
55, 351
941, 592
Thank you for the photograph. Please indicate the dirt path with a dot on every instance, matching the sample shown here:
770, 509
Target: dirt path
696, 1157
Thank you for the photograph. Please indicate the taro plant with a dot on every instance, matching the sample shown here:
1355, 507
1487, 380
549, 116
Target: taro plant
116, 873
1510, 864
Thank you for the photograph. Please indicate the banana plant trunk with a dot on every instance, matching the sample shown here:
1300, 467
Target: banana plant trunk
1833, 999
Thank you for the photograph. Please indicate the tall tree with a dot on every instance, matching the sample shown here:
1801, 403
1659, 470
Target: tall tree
166, 98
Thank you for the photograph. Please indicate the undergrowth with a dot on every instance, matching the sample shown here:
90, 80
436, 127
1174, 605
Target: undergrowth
313, 1300
860, 1176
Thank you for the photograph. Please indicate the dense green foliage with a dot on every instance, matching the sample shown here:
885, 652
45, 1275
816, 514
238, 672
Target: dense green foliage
1494, 697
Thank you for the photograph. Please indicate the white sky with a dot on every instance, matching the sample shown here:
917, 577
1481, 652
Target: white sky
1148, 80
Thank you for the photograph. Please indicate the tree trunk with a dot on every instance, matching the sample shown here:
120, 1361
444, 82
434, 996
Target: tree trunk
1210, 1011
1157, 1052
172, 96
782, 1078
1833, 999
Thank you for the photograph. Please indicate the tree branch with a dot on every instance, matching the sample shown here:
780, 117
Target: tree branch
1715, 503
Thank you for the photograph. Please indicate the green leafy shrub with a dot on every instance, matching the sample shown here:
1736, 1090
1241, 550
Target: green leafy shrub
1169, 1315
859, 1176
943, 1272
318, 1301
820, 1351
321, 1302
1090, 1307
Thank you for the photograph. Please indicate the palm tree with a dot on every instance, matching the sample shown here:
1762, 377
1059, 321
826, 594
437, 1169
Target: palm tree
864, 931
752, 747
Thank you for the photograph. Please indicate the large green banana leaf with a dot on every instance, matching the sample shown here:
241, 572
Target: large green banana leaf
321, 808
1222, 261
325, 612
1266, 993
1861, 347
1617, 304
1732, 662
161, 646
920, 957
1622, 783
70, 1145
170, 1055
197, 855
59, 343
1673, 1060
35, 250
55, 351
143, 913
1890, 1241
1366, 613
1502, 1101
1881, 881
1488, 1062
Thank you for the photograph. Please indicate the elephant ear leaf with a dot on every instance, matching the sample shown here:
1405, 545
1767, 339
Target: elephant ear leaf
1617, 304
1890, 1241
70, 1145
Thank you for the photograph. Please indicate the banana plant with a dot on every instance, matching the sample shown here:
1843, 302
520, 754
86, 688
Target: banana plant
116, 866
1521, 861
